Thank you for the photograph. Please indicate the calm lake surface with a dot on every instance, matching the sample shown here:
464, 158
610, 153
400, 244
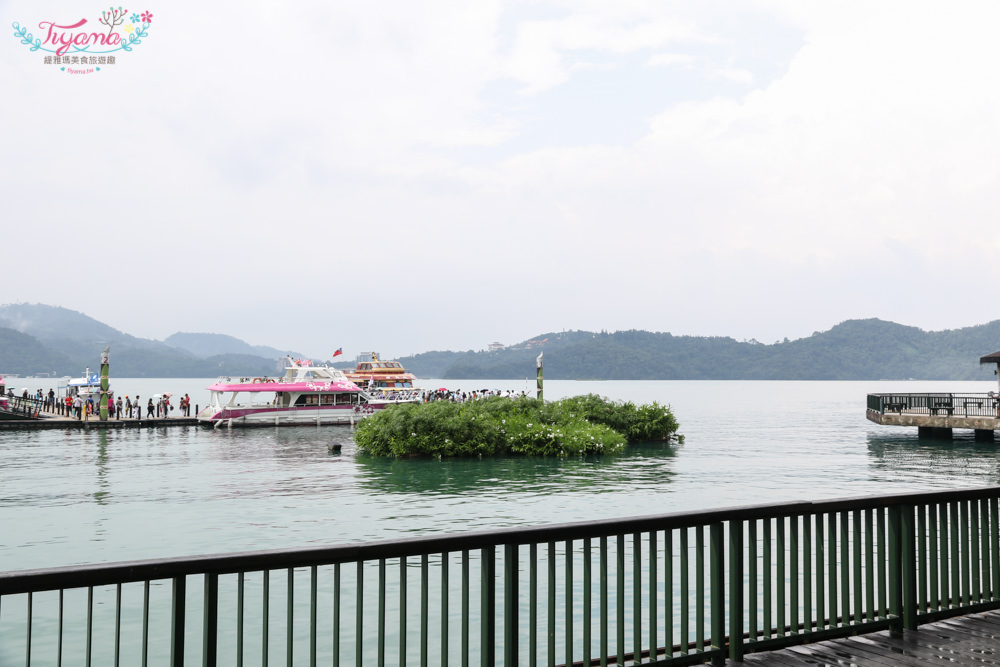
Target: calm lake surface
71, 497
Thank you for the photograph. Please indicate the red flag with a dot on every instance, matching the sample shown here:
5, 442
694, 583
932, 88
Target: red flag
340, 350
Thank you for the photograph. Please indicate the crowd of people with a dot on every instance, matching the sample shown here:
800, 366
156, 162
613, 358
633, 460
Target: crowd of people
86, 406
160, 405
463, 396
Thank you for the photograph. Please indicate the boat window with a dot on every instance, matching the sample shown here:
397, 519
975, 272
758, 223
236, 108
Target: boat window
327, 399
301, 400
343, 399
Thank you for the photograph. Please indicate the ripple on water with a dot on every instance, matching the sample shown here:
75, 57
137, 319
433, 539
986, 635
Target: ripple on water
92, 496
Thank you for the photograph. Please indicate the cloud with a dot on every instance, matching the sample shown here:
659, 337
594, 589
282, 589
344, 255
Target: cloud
764, 172
684, 60
544, 52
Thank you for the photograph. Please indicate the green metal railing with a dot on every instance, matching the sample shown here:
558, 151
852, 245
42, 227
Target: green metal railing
944, 404
669, 589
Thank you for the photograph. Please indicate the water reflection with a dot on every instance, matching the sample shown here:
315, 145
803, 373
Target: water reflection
79, 496
103, 485
643, 464
927, 462
293, 443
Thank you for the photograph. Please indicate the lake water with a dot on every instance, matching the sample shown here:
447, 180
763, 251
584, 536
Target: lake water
71, 497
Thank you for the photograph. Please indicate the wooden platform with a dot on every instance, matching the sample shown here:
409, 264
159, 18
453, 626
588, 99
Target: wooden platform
976, 423
964, 640
48, 421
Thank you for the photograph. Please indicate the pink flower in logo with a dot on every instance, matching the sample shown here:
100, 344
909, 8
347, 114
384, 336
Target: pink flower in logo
147, 17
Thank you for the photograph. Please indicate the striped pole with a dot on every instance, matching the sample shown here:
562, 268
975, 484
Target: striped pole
105, 356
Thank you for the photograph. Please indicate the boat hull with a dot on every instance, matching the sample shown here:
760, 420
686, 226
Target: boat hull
276, 416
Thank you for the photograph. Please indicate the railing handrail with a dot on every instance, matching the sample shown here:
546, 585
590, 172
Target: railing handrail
78, 576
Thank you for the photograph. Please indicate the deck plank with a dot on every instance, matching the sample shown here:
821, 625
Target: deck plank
959, 642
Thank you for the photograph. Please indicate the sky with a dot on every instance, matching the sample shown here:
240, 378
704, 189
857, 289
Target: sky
440, 175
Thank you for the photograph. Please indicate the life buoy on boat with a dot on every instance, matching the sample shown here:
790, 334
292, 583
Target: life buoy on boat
256, 379
270, 380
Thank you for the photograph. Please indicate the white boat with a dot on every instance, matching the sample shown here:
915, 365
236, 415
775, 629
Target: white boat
382, 379
88, 386
306, 394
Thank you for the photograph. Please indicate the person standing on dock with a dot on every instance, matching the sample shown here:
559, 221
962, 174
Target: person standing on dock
118, 408
150, 410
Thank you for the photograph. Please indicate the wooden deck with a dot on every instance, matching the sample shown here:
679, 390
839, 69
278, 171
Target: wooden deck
50, 421
964, 640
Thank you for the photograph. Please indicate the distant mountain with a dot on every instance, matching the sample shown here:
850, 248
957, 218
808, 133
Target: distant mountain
25, 355
36, 339
208, 345
869, 349
52, 322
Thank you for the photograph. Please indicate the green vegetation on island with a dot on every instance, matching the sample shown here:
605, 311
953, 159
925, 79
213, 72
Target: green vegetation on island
499, 425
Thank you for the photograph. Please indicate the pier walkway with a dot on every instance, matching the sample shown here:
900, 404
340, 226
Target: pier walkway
965, 640
50, 421
31, 413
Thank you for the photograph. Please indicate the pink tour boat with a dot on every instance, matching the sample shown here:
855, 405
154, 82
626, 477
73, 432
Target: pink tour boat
305, 394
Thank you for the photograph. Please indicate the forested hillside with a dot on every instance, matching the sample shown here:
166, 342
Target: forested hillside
35, 338
854, 350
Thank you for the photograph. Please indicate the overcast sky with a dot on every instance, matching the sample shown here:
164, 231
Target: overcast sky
410, 176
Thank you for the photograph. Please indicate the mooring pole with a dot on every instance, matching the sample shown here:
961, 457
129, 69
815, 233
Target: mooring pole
105, 364
538, 375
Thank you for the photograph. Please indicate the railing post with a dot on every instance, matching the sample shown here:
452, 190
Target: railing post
510, 605
177, 608
488, 607
902, 569
211, 620
895, 565
735, 592
717, 583
908, 571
